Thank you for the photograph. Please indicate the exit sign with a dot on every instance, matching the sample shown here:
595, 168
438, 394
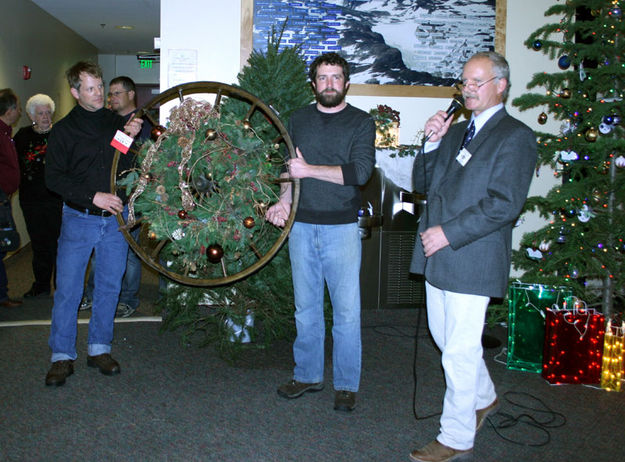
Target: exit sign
145, 64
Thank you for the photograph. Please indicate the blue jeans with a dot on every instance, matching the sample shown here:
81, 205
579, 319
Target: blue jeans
131, 281
80, 235
331, 253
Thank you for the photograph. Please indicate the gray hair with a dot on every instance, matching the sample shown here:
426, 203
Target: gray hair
39, 100
501, 68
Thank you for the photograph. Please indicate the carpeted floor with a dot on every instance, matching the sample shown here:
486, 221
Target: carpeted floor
178, 403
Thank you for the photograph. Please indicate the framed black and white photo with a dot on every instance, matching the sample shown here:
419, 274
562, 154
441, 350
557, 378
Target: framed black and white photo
394, 47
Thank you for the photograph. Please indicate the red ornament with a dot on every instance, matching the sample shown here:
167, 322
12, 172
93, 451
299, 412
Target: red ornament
248, 222
214, 253
182, 214
157, 131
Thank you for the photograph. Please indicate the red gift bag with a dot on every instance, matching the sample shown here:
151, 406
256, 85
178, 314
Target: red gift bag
573, 345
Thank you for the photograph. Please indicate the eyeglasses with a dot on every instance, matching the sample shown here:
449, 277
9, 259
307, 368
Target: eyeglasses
475, 84
117, 93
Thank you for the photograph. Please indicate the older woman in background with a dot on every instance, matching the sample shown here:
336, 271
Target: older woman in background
41, 207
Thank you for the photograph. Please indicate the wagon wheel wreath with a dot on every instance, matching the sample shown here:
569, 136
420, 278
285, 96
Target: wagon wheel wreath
203, 183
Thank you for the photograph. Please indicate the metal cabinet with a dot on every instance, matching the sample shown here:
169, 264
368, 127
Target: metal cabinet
388, 228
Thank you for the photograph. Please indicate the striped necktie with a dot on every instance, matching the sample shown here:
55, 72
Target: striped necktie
468, 135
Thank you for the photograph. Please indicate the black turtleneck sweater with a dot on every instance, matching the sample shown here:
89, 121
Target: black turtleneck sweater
79, 156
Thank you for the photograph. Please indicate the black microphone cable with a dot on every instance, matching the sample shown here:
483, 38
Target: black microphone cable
456, 104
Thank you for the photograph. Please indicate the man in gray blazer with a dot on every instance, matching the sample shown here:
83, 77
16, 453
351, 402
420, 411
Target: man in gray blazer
476, 175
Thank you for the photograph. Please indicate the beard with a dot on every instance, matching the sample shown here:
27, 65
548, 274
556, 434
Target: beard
330, 98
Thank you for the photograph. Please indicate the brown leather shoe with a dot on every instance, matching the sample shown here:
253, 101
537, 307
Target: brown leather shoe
437, 452
344, 400
481, 414
59, 371
9, 303
104, 362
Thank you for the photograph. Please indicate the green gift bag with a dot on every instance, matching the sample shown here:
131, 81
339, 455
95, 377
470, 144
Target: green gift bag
527, 305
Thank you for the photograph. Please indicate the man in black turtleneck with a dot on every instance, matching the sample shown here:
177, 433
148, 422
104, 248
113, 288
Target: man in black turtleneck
78, 167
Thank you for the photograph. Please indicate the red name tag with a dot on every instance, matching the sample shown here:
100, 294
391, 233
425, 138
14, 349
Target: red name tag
121, 142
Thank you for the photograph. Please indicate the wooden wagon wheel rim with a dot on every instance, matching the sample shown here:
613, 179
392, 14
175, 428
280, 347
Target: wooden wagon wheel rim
220, 90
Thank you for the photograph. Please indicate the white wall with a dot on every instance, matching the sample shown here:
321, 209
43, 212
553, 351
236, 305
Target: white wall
30, 36
212, 31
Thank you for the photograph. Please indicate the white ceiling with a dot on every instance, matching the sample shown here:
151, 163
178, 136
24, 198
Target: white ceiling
96, 21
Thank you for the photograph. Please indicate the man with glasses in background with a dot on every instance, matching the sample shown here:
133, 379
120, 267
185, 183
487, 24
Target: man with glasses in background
476, 175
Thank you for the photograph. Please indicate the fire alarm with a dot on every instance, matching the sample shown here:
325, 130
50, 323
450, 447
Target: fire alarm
26, 72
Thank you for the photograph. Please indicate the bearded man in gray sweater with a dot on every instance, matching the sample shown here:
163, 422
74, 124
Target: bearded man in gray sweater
335, 155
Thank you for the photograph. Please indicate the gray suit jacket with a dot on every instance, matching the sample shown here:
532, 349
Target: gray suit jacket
477, 205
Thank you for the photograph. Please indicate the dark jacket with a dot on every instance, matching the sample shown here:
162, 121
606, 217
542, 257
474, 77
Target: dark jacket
477, 205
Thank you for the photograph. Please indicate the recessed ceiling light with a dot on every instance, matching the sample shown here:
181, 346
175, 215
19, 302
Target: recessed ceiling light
125, 27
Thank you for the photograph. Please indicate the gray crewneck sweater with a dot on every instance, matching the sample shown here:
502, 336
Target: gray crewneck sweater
345, 138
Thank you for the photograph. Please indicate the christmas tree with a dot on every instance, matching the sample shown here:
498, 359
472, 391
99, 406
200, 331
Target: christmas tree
582, 245
203, 187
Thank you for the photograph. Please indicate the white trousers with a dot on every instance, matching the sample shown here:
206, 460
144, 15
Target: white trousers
456, 322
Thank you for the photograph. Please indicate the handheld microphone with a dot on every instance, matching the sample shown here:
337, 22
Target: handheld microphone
456, 104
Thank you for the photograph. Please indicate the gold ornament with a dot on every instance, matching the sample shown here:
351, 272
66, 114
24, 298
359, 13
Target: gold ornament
211, 134
591, 134
566, 93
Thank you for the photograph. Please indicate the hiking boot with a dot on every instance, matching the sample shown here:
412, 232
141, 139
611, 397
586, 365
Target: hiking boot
344, 400
295, 389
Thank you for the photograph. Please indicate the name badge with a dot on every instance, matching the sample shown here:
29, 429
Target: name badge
463, 157
121, 142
